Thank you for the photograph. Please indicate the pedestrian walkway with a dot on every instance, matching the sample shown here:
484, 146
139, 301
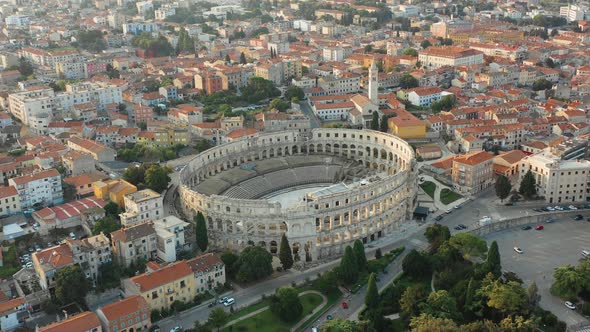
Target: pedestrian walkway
439, 187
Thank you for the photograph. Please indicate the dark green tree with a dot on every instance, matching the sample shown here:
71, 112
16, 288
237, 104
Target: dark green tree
227, 58
294, 91
528, 185
493, 262
229, 259
201, 231
254, 264
348, 271
408, 81
436, 234
411, 52
503, 187
243, 58
285, 254
359, 255
416, 265
285, 303
425, 44
112, 209
375, 121
218, 318
378, 254
383, 125
542, 84
327, 283
25, 67
156, 178
71, 285
106, 225
441, 304
372, 295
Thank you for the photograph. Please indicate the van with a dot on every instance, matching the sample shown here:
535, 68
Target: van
585, 253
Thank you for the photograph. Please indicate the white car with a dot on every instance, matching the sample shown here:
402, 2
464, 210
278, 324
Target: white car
570, 305
518, 250
176, 329
557, 207
229, 302
571, 207
222, 300
550, 208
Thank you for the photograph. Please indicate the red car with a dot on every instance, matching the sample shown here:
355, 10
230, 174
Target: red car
539, 227
344, 305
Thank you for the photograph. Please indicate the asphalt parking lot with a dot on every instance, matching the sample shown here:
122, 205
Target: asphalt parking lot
560, 243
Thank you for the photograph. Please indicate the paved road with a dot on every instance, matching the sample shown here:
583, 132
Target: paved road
306, 109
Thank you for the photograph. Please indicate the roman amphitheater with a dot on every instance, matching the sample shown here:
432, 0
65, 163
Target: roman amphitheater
324, 189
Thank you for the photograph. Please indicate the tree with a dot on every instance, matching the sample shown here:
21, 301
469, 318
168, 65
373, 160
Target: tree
416, 265
218, 318
243, 58
92, 40
469, 295
229, 259
408, 81
410, 52
106, 225
383, 125
428, 323
517, 324
532, 293
340, 325
227, 58
542, 84
285, 254
567, 282
254, 264
359, 255
71, 285
442, 305
156, 178
425, 44
258, 89
507, 298
327, 283
378, 253
294, 91
528, 186
25, 67
410, 300
503, 187
375, 121
549, 63
348, 271
69, 191
446, 103
285, 303
468, 244
201, 231
112, 209
372, 295
437, 234
493, 263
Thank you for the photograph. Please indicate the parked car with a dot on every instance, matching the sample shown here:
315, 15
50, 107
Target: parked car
570, 305
222, 300
518, 250
509, 204
571, 207
550, 220
550, 208
438, 218
526, 228
176, 329
462, 226
539, 227
229, 302
457, 228
579, 217
344, 305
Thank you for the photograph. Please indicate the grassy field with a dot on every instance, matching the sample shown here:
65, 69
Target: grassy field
447, 196
266, 321
429, 188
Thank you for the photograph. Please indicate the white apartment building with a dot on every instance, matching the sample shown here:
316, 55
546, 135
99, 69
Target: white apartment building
41, 57
130, 244
209, 271
574, 12
439, 56
139, 27
17, 20
344, 84
91, 253
559, 181
424, 96
143, 7
9, 201
141, 206
38, 188
163, 12
176, 227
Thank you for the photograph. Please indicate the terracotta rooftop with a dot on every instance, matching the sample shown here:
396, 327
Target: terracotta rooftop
123, 308
204, 263
167, 274
474, 158
85, 321
7, 191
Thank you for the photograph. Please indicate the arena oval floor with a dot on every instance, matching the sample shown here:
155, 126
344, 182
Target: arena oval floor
324, 189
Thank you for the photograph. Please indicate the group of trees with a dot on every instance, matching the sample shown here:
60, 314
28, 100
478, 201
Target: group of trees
444, 104
471, 294
408, 81
152, 176
542, 84
185, 42
253, 263
380, 125
528, 185
92, 40
259, 89
158, 46
353, 263
140, 152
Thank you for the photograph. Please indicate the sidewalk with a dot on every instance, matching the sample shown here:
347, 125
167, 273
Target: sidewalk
439, 187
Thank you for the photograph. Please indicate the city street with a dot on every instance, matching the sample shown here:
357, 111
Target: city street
306, 109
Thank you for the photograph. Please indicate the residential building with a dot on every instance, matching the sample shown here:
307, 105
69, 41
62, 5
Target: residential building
91, 253
277, 121
424, 96
508, 163
41, 188
9, 311
113, 190
136, 28
472, 172
163, 285
343, 84
208, 82
129, 314
99, 152
17, 20
438, 56
185, 114
83, 182
69, 214
575, 12
49, 261
84, 322
209, 272
130, 244
9, 201
558, 180
143, 205
142, 114
405, 125
76, 163
176, 227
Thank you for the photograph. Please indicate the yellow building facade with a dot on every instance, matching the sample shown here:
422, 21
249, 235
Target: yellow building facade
113, 190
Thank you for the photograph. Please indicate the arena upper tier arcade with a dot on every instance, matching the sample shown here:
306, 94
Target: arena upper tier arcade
324, 189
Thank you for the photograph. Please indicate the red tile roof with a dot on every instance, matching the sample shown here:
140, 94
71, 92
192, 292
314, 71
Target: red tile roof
125, 307
163, 276
85, 321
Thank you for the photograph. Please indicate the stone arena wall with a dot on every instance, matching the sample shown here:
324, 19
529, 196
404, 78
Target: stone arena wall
317, 228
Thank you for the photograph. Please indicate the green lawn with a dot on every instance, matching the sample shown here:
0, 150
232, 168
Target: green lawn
250, 309
332, 300
447, 196
11, 264
429, 188
267, 321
